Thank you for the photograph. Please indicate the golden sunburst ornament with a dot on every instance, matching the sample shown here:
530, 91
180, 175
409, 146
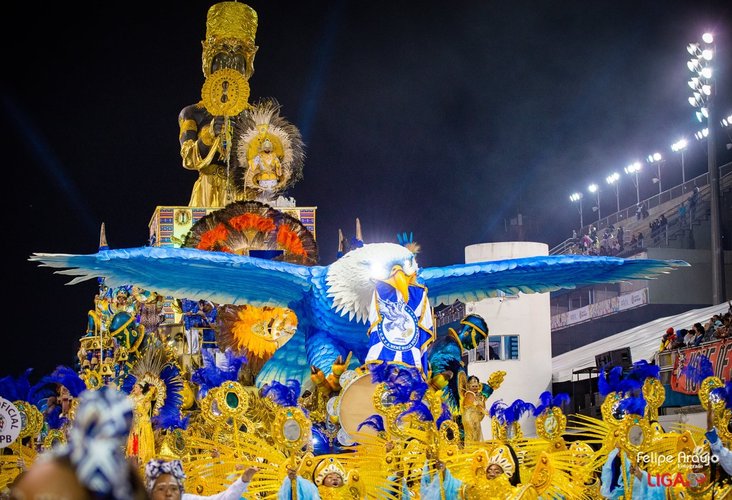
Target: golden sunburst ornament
225, 93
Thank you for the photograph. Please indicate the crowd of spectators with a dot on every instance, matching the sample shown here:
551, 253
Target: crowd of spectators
610, 242
717, 327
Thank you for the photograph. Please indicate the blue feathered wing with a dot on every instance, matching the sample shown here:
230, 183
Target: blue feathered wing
220, 277
480, 280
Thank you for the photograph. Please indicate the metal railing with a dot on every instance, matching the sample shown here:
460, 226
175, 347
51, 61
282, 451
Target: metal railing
676, 192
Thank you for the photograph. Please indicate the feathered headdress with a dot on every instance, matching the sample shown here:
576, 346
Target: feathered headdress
375, 422
724, 393
643, 370
283, 394
507, 414
635, 405
407, 241
210, 376
262, 122
156, 369
547, 401
67, 377
16, 389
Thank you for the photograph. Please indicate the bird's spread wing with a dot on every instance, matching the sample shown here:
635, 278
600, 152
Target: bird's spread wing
480, 280
183, 272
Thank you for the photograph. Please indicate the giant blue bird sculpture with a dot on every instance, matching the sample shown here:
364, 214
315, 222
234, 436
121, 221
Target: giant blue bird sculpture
332, 302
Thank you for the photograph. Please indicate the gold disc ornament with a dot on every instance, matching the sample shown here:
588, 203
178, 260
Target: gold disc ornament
225, 93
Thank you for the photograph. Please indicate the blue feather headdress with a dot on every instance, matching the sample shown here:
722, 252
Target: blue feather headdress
210, 376
403, 383
518, 409
16, 388
614, 380
283, 394
67, 377
724, 393
155, 367
643, 370
375, 422
507, 414
546, 401
635, 405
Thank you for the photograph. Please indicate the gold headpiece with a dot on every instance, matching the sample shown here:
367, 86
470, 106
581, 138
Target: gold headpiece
328, 466
233, 24
501, 456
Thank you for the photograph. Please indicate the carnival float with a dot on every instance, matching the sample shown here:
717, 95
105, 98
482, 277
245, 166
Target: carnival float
238, 347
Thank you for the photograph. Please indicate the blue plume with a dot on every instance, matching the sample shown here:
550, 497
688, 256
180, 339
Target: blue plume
629, 385
609, 381
53, 418
445, 415
321, 443
420, 409
375, 422
210, 376
516, 410
546, 401
282, 394
498, 410
698, 368
642, 370
68, 377
403, 239
401, 381
724, 393
16, 389
635, 405
171, 420
169, 412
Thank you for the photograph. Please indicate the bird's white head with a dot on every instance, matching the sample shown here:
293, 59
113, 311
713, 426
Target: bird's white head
351, 278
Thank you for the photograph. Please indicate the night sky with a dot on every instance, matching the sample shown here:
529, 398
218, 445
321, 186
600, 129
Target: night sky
443, 119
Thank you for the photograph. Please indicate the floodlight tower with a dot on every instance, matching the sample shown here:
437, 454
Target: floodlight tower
702, 84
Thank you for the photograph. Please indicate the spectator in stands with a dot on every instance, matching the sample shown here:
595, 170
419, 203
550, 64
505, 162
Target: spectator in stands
633, 241
689, 337
640, 239
698, 335
638, 211
644, 211
668, 340
682, 214
679, 342
620, 236
693, 200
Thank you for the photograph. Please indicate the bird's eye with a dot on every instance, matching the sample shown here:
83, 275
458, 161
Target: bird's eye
378, 271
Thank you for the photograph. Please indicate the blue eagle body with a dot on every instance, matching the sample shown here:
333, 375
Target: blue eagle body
331, 302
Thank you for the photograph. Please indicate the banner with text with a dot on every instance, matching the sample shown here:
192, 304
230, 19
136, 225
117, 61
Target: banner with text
719, 354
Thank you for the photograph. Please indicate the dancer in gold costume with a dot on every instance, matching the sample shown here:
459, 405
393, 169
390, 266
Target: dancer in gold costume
141, 442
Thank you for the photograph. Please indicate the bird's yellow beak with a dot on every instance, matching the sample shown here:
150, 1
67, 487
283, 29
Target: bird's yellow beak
400, 281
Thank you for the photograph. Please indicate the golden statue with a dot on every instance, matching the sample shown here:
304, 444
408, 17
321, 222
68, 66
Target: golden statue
205, 138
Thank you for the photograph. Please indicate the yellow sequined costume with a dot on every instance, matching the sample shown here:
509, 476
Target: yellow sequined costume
141, 442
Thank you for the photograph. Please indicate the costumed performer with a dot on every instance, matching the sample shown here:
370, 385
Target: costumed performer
441, 485
92, 463
716, 445
141, 441
305, 490
613, 480
164, 480
474, 397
